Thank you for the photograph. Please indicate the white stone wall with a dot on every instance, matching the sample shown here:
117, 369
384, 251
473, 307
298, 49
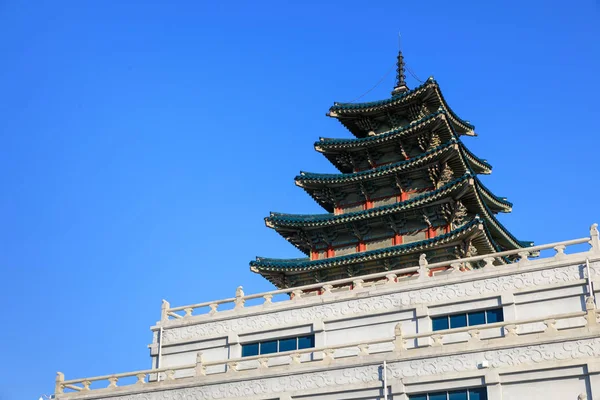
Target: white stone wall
542, 360
541, 288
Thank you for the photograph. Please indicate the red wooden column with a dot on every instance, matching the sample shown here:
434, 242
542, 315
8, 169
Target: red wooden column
330, 252
397, 239
430, 233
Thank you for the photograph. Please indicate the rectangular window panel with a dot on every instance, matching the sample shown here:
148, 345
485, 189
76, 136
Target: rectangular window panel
478, 394
458, 320
418, 397
268, 347
458, 395
476, 318
495, 315
306, 342
438, 396
440, 323
287, 344
249, 350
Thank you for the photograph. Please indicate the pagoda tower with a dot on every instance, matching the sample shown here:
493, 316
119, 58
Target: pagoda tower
407, 186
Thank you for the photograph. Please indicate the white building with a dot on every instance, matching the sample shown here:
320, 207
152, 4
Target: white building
411, 288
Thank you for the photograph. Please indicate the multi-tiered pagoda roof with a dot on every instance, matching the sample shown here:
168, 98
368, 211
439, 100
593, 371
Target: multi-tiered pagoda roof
407, 186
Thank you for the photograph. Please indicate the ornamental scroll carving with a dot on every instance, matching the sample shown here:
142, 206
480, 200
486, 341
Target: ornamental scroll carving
373, 304
313, 381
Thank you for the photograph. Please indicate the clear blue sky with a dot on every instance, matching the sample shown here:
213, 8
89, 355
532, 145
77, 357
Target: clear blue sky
144, 142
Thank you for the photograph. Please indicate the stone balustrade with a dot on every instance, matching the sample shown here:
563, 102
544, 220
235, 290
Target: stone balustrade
397, 344
422, 272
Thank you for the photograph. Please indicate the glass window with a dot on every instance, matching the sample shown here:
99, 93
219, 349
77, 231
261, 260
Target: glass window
287, 344
249, 350
476, 318
306, 342
471, 394
457, 395
278, 345
494, 315
268, 347
440, 323
438, 396
478, 394
458, 320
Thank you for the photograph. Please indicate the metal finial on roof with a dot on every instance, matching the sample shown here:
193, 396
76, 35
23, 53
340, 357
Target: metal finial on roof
400, 76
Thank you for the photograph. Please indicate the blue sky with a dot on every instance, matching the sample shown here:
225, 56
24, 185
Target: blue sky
143, 143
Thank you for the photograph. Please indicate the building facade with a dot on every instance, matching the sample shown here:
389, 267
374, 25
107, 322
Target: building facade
410, 289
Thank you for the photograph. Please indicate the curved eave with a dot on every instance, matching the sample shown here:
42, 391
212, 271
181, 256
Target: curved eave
479, 165
475, 226
508, 241
305, 179
325, 145
467, 186
496, 202
341, 110
329, 147
453, 188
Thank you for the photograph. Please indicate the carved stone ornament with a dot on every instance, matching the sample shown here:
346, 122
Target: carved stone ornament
382, 303
431, 366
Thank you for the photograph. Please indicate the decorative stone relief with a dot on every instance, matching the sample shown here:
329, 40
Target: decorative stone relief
529, 355
373, 304
546, 352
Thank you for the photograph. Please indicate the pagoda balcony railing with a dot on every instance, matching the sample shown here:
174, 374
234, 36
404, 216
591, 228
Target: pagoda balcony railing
420, 273
481, 337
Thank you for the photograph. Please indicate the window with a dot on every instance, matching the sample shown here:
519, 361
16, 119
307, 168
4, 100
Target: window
471, 318
466, 394
278, 345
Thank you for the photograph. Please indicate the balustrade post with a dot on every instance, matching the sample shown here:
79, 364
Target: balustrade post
550, 326
170, 375
437, 340
295, 358
511, 330
523, 257
391, 278
560, 251
188, 312
363, 349
328, 355
326, 289
398, 338
112, 381
590, 308
489, 262
213, 308
164, 310
268, 299
357, 283
232, 366
59, 387
140, 379
200, 368
297, 294
263, 363
474, 335
86, 385
239, 298
423, 269
594, 241
454, 267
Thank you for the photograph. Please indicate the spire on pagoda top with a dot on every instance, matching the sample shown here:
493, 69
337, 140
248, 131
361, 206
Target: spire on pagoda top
400, 76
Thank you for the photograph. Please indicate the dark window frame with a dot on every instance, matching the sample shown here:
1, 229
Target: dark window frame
496, 311
477, 393
301, 342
